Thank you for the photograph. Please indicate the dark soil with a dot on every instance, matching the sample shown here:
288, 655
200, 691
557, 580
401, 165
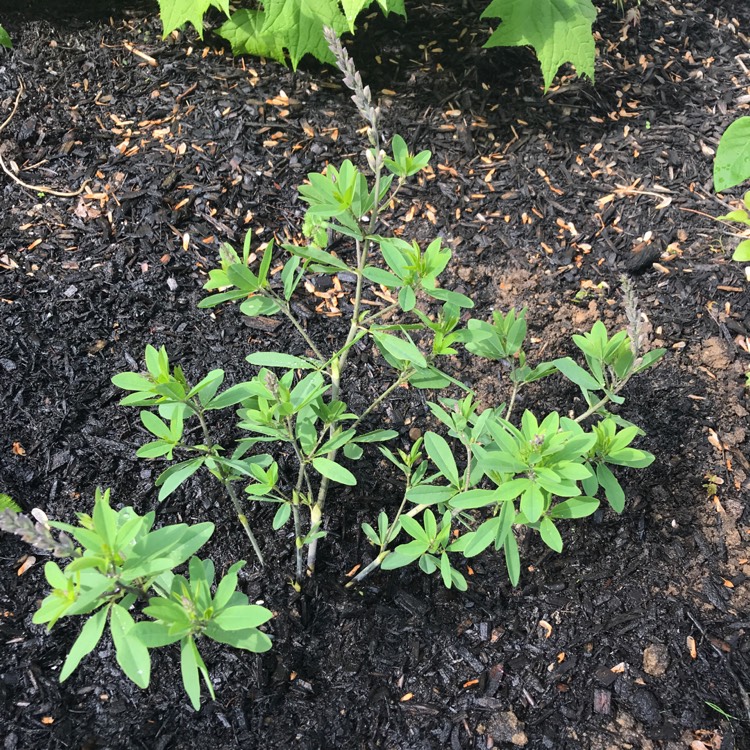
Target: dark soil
546, 200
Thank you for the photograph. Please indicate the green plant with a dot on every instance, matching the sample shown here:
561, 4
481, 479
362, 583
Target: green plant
7, 503
122, 561
560, 31
5, 38
499, 477
731, 168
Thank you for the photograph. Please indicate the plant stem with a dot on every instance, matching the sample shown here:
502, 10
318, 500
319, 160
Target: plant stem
243, 519
402, 378
293, 320
228, 484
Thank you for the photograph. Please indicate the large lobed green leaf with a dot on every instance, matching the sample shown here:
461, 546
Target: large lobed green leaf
558, 30
294, 27
176, 13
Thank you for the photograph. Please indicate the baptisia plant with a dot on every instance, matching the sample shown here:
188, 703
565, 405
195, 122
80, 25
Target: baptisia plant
119, 560
492, 476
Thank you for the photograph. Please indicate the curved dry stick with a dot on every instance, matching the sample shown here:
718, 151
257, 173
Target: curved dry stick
36, 188
21, 89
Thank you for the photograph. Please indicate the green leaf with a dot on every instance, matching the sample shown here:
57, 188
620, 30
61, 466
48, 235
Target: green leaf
156, 426
441, 455
380, 276
281, 516
742, 253
5, 38
376, 436
558, 30
259, 305
131, 654
175, 475
332, 470
280, 359
404, 554
244, 32
575, 507
612, 489
86, 642
732, 162
189, 657
7, 503
512, 559
400, 349
176, 13
576, 374
242, 617
550, 535
132, 381
532, 503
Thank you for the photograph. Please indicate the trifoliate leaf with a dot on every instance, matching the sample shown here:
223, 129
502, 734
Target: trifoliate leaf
558, 30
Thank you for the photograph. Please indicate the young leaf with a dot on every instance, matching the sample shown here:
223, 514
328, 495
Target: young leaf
281, 516
512, 559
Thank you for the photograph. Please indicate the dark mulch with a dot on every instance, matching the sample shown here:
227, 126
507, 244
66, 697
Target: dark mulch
547, 199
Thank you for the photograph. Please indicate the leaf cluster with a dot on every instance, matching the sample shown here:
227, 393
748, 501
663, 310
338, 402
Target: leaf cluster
121, 561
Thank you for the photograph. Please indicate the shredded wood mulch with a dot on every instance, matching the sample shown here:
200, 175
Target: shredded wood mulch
636, 636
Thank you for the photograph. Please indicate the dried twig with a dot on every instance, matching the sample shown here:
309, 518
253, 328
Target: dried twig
18, 180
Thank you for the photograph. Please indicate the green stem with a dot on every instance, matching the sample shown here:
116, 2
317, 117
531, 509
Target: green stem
402, 378
227, 483
293, 320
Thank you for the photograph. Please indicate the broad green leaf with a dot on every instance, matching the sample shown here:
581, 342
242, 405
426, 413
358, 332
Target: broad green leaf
404, 554
576, 374
380, 276
242, 617
612, 489
156, 426
532, 503
550, 535
558, 30
131, 654
732, 162
281, 516
332, 470
176, 13
399, 348
86, 642
575, 507
5, 38
244, 32
132, 381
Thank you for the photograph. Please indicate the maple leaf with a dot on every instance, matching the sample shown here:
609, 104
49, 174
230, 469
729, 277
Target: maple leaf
244, 31
558, 30
176, 13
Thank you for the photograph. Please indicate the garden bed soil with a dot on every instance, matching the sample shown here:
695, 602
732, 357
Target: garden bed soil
636, 636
